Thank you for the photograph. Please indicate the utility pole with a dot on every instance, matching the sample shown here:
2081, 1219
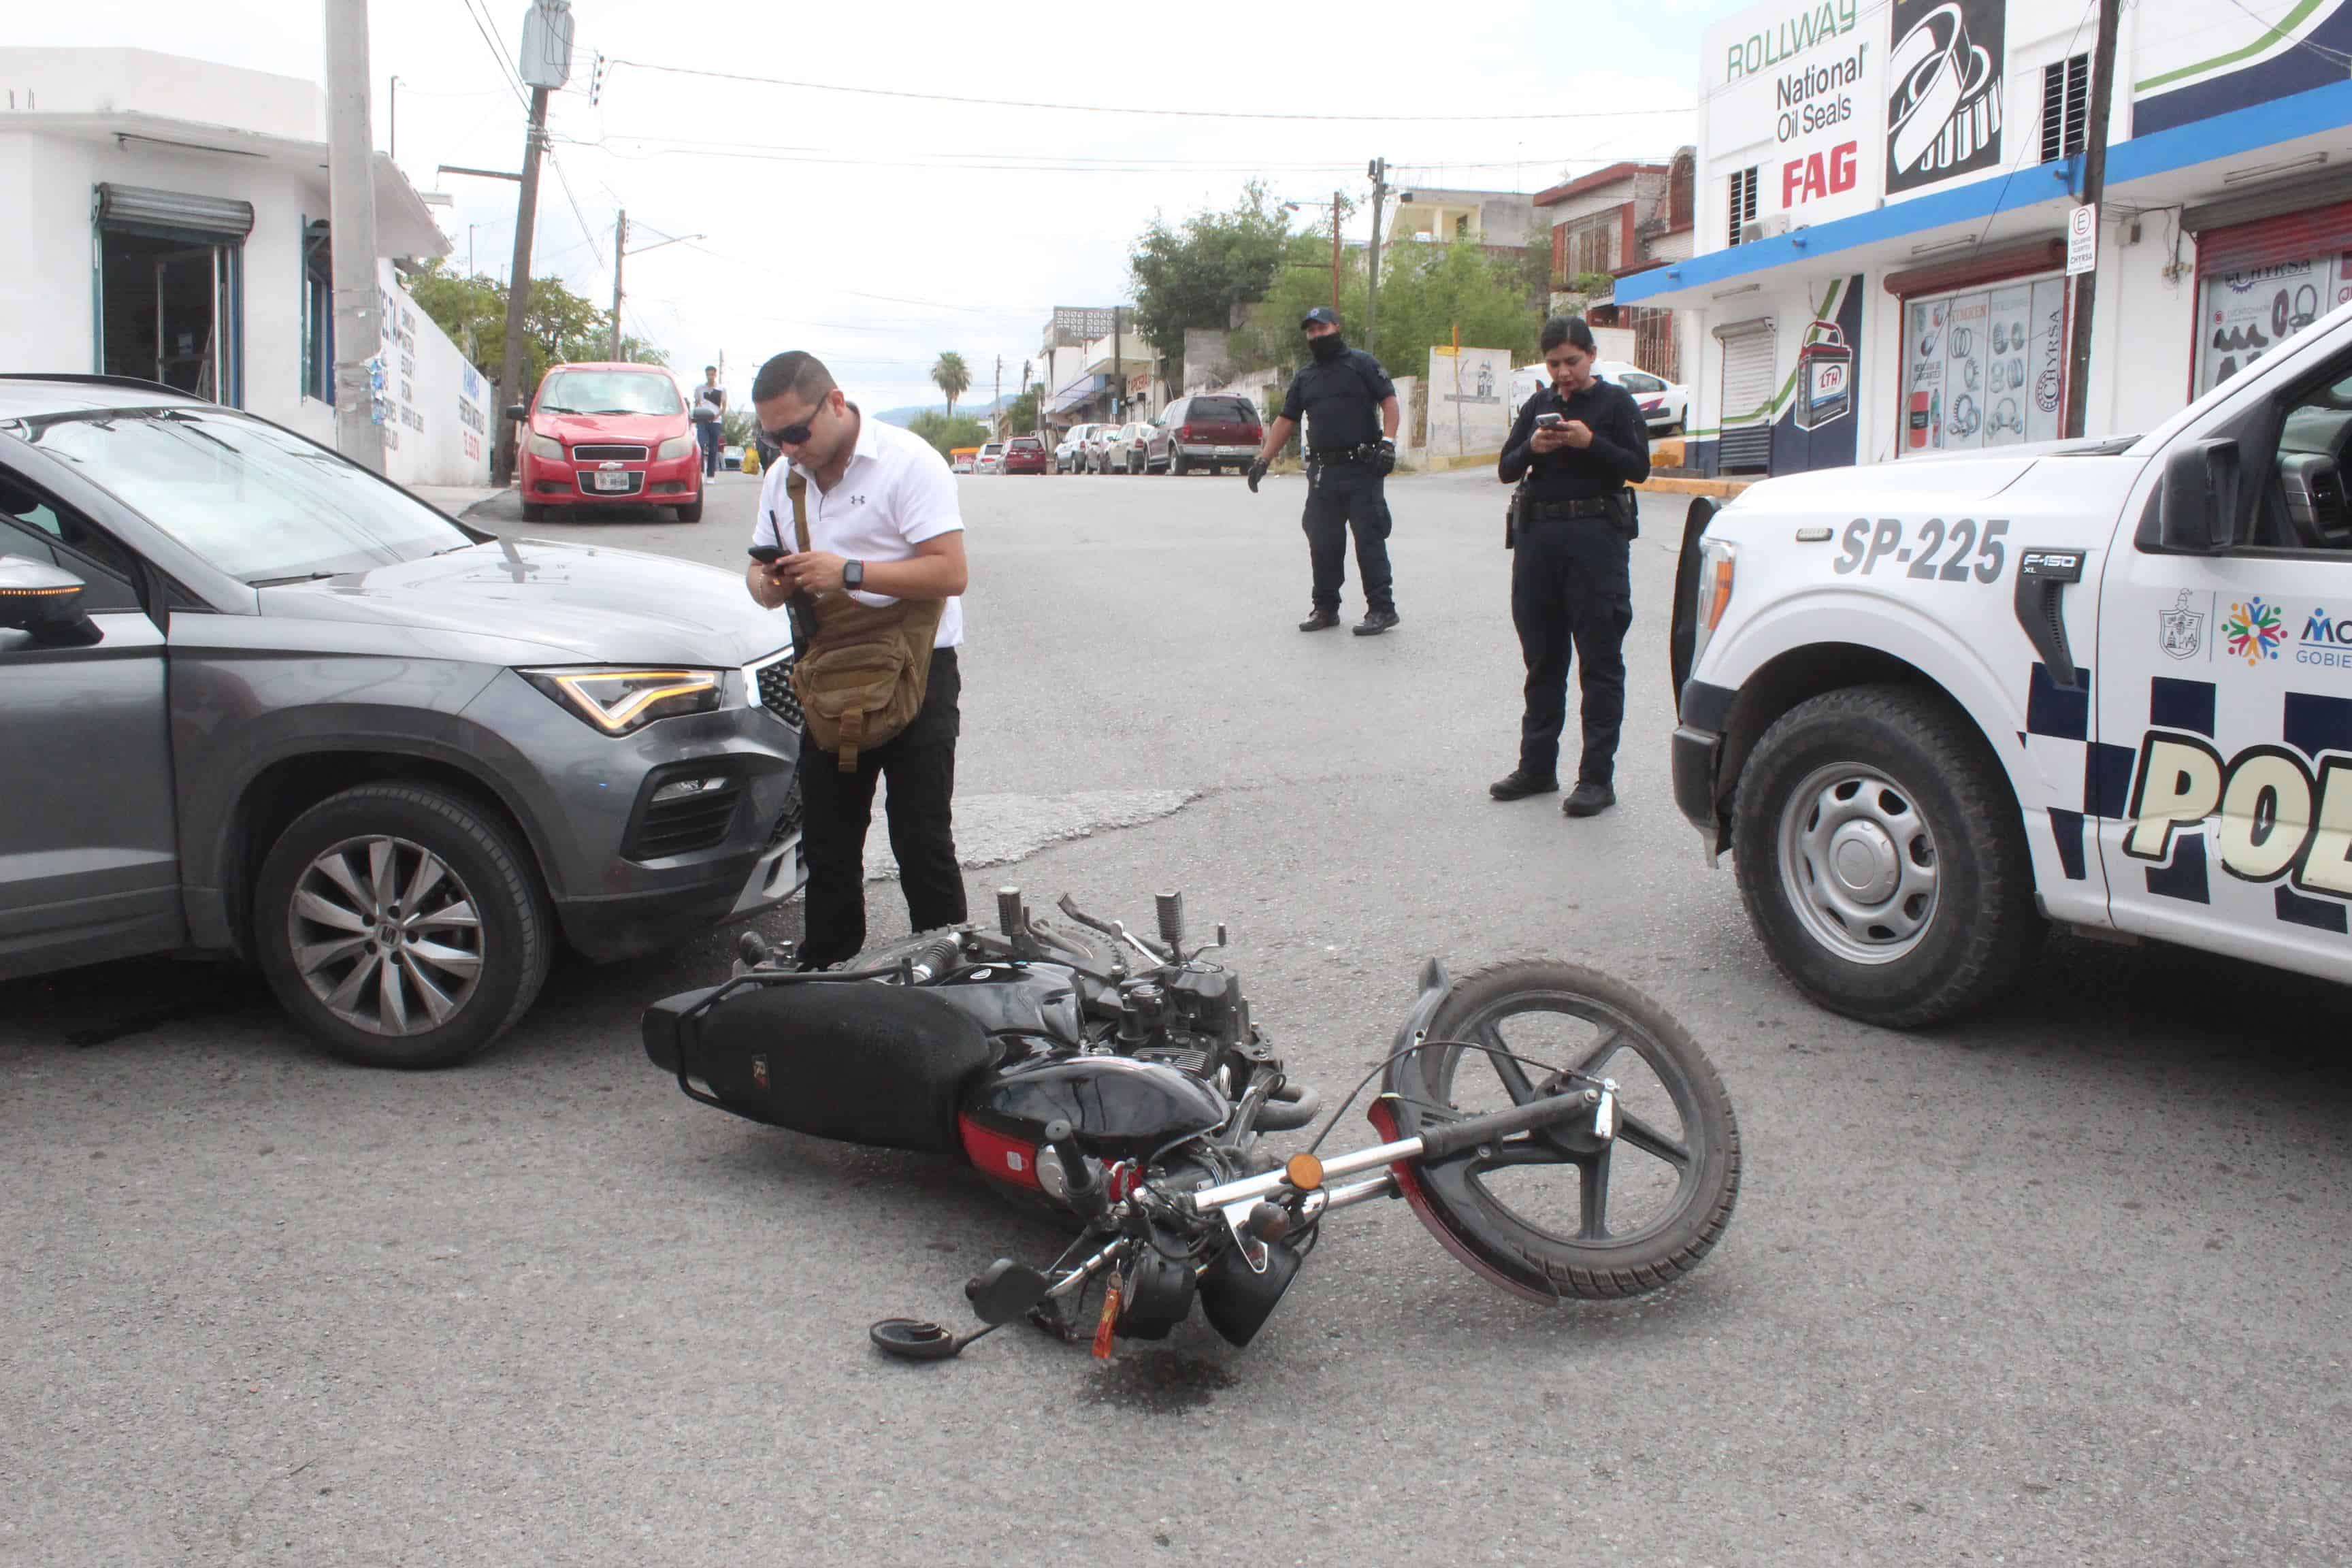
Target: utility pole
1380, 174
999, 410
1118, 367
392, 93
620, 249
350, 221
2094, 185
1336, 198
510, 387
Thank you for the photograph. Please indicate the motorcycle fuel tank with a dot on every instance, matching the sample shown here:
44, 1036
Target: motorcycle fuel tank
1121, 1108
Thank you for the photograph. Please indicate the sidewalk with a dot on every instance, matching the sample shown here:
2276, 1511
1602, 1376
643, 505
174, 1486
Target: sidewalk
456, 499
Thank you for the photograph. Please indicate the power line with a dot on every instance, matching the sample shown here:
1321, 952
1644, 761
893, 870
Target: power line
1123, 110
2336, 58
507, 78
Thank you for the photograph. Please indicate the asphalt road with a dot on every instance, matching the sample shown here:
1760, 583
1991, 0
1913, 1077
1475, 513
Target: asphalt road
2065, 1285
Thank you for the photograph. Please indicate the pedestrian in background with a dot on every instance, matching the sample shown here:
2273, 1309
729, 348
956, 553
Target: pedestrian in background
883, 529
1576, 446
709, 412
1350, 410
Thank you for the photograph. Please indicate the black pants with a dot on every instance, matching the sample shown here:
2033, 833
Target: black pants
1571, 589
837, 807
1342, 494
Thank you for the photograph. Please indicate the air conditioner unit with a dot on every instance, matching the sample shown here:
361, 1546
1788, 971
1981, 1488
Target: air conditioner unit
1764, 228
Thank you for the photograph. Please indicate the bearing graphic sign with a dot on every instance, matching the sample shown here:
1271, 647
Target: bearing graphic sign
1943, 91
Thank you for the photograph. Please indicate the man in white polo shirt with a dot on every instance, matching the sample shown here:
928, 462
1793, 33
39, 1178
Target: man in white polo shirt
883, 523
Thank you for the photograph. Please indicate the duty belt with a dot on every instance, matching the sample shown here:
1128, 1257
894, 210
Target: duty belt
1557, 510
1366, 453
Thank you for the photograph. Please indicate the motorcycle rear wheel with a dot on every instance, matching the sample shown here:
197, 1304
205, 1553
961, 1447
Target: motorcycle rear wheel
1675, 1157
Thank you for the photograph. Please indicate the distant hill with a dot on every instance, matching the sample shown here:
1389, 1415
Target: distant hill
977, 409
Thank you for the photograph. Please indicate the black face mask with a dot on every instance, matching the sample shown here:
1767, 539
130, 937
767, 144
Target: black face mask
1327, 348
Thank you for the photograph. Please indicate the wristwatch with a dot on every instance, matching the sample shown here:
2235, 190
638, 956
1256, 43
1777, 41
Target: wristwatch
853, 574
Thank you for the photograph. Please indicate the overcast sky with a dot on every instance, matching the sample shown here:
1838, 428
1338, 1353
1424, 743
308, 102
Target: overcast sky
877, 231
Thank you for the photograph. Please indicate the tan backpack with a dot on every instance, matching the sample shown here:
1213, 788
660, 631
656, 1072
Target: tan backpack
862, 677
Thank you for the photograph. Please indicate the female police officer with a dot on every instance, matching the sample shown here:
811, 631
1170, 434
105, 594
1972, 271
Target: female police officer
1577, 443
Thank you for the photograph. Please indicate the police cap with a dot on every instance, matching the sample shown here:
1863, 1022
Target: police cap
1323, 313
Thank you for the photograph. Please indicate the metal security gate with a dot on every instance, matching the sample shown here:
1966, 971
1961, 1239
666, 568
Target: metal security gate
1744, 444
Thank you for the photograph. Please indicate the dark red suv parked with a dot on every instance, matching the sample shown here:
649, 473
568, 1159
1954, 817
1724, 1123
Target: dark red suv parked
1026, 454
1214, 432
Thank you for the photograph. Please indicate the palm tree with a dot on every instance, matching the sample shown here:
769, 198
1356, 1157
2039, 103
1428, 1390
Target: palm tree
953, 377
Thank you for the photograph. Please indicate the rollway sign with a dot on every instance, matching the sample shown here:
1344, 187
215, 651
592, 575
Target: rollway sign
1814, 104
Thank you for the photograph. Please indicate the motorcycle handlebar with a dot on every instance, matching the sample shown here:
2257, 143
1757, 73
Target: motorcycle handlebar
1452, 1137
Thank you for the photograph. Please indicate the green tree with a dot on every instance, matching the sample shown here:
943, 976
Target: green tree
947, 431
1021, 414
735, 428
1426, 292
1195, 274
559, 326
953, 376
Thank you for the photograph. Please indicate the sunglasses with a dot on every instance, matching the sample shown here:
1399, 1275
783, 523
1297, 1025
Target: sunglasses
792, 435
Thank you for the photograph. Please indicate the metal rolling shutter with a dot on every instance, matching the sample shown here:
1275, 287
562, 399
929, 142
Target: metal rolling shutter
1745, 444
2273, 240
143, 206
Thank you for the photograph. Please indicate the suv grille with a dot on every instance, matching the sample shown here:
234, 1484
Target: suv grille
606, 454
683, 823
776, 694
788, 821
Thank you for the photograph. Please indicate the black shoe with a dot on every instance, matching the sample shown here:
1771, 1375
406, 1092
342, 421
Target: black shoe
1587, 800
1320, 620
1375, 621
1519, 783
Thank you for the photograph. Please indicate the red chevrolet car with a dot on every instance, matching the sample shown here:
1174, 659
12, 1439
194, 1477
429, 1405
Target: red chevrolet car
1025, 455
602, 434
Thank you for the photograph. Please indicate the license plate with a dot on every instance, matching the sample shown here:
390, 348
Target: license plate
612, 481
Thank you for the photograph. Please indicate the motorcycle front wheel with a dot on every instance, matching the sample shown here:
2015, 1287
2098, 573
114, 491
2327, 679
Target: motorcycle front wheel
1573, 1215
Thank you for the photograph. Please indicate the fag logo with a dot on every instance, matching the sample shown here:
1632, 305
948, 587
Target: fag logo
2270, 813
2254, 630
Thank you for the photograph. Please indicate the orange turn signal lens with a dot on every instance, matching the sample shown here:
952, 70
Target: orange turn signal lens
1304, 1171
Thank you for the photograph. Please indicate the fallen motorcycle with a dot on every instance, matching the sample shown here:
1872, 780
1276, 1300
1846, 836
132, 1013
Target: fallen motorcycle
1554, 1129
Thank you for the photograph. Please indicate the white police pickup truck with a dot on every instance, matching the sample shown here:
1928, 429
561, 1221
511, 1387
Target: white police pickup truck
1931, 706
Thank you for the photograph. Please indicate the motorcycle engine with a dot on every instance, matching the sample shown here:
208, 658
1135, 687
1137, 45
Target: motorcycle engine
1189, 1016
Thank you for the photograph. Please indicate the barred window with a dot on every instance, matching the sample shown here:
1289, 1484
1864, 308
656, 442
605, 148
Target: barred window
2065, 107
1743, 203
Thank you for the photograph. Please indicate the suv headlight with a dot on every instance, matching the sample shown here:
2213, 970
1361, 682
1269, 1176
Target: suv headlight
545, 446
677, 446
623, 701
1718, 569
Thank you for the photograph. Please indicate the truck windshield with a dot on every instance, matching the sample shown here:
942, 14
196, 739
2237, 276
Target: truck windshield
259, 503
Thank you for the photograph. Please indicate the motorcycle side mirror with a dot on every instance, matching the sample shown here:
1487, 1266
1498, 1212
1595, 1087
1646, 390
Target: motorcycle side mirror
1004, 1290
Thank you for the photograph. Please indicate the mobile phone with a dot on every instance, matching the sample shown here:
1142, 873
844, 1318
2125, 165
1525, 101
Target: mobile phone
767, 554
1544, 419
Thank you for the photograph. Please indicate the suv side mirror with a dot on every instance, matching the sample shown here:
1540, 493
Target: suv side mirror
2198, 501
45, 600
518, 411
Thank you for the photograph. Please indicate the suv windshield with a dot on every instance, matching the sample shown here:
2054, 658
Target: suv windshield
259, 503
609, 392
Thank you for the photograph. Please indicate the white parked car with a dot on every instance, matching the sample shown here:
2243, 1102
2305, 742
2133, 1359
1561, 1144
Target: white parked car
1935, 704
1663, 403
1123, 449
1070, 452
990, 460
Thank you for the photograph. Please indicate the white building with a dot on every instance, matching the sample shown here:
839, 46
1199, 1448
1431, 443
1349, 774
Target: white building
167, 219
1883, 197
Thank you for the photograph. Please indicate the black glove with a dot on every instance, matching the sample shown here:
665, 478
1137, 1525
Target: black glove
1384, 460
1256, 472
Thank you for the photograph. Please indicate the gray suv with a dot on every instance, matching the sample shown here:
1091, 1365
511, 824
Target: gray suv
256, 700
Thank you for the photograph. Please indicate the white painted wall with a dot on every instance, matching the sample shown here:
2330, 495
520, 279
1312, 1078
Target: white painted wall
1469, 401
437, 410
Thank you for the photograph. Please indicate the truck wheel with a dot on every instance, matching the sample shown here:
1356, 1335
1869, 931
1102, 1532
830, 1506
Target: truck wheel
1881, 859
402, 925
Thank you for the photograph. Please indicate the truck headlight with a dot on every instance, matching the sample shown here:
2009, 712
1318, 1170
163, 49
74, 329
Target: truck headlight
677, 446
1718, 570
623, 701
545, 446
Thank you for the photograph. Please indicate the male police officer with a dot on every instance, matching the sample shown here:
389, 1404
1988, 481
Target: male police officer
1578, 443
1350, 410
